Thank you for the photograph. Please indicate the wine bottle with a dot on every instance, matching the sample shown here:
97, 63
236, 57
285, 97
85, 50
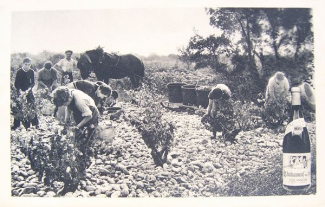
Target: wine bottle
296, 148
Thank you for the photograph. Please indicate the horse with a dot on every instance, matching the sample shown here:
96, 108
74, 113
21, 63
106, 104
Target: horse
107, 66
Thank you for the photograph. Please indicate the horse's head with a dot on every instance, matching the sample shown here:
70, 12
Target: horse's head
89, 61
85, 65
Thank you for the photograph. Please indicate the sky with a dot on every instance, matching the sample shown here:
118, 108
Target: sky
142, 31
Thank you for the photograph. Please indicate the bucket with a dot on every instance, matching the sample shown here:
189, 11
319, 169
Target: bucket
175, 92
189, 95
202, 93
114, 112
113, 109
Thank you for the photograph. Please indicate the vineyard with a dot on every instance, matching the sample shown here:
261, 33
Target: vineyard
131, 163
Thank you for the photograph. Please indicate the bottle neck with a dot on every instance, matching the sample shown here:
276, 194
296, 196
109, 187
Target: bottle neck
296, 110
296, 99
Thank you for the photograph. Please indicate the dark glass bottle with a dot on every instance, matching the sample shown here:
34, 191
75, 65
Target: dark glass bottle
296, 148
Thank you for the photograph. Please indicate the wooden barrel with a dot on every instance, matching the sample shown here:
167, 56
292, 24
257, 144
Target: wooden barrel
202, 93
189, 95
175, 92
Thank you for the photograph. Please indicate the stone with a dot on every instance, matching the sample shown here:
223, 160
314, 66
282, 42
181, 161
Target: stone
69, 194
23, 173
156, 194
176, 169
217, 165
209, 166
204, 141
15, 169
103, 171
174, 154
197, 163
143, 195
20, 178
101, 196
140, 185
50, 194
124, 192
201, 148
20, 184
110, 180
15, 192
98, 191
90, 188
31, 172
99, 162
116, 194
30, 185
174, 182
122, 168
151, 178
262, 144
116, 187
181, 179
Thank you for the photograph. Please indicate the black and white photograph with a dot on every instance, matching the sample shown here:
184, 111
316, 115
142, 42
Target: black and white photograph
162, 104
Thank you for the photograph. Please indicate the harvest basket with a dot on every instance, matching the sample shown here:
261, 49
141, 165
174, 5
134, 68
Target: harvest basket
202, 93
113, 109
175, 92
114, 112
189, 95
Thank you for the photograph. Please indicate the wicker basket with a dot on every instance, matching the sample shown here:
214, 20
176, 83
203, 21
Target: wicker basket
175, 92
189, 95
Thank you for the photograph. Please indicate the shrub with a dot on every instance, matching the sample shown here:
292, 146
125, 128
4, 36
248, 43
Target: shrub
156, 131
57, 159
20, 107
275, 113
247, 115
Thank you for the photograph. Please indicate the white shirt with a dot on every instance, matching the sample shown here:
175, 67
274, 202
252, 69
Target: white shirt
277, 90
67, 65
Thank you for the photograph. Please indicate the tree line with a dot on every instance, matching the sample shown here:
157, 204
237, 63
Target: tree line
254, 43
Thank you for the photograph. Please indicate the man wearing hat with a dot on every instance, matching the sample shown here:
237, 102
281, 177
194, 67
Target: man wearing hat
66, 66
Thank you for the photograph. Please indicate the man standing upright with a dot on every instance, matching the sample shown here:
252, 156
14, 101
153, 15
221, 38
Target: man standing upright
66, 66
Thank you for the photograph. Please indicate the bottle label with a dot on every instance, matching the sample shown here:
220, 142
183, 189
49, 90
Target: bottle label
296, 169
296, 127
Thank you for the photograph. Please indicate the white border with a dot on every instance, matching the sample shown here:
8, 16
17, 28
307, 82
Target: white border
6, 7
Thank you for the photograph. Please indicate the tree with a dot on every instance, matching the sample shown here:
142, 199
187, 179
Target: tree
299, 21
288, 26
185, 56
274, 19
245, 23
234, 20
205, 52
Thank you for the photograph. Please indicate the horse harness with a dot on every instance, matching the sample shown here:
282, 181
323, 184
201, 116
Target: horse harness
115, 65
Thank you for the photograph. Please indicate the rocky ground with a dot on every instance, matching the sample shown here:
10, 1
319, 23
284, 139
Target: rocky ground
198, 165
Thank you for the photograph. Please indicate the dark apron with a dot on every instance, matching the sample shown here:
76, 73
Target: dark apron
84, 140
77, 115
70, 77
